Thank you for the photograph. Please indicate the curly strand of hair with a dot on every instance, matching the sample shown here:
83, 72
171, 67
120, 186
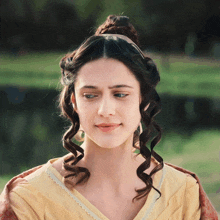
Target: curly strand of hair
70, 162
144, 191
75, 172
148, 119
136, 140
154, 142
77, 151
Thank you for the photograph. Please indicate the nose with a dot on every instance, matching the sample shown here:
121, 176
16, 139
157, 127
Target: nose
106, 107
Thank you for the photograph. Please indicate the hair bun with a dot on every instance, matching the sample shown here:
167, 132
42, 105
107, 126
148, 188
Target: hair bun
118, 25
121, 20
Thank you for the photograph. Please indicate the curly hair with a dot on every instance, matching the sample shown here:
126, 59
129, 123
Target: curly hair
106, 44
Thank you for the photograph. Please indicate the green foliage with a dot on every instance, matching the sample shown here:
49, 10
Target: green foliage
163, 25
39, 4
87, 9
132, 9
116, 7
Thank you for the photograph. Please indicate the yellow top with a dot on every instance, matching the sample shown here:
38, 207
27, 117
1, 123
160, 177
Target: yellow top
44, 196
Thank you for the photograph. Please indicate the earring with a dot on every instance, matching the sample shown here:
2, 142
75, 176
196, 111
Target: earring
141, 129
79, 136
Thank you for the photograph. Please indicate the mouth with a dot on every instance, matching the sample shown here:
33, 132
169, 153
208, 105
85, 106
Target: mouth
107, 127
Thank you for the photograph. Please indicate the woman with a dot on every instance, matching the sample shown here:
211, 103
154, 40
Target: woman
109, 88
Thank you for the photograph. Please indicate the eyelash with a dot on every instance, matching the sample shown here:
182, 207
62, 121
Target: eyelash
86, 95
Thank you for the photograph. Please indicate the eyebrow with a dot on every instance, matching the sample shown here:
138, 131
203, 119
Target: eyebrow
110, 87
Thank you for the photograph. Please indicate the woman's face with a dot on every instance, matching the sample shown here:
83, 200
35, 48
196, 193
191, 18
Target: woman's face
107, 99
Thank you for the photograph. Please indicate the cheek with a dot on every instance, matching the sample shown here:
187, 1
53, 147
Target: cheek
86, 115
132, 112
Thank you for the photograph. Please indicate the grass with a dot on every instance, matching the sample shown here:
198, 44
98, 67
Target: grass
188, 77
199, 153
36, 70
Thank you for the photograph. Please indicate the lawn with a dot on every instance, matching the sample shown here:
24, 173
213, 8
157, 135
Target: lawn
184, 76
198, 153
196, 77
36, 70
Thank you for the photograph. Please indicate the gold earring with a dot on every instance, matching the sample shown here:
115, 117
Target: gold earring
140, 127
79, 136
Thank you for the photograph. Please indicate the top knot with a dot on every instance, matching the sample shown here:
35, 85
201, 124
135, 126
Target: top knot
118, 25
121, 20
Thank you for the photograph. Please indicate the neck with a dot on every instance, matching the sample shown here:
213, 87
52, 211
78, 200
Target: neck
112, 166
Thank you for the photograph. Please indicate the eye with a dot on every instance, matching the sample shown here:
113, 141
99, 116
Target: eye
89, 96
120, 95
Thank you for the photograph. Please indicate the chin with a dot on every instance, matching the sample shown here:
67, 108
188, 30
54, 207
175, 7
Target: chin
111, 143
110, 140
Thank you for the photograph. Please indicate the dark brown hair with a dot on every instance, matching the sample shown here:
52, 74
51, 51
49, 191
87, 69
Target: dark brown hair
145, 71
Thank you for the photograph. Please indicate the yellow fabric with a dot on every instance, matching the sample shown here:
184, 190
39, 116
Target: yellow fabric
44, 196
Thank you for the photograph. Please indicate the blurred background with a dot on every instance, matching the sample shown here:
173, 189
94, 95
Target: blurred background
182, 37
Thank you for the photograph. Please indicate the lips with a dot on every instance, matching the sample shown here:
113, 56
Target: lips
107, 127
107, 124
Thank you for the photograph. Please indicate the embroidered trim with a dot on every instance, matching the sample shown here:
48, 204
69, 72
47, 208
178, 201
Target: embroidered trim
57, 181
150, 209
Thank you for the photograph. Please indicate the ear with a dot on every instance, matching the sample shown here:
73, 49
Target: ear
140, 99
73, 100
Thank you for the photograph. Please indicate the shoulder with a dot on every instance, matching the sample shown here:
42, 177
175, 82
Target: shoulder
28, 181
37, 178
30, 192
179, 195
178, 182
19, 195
179, 175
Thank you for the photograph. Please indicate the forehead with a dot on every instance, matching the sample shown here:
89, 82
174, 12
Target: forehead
105, 72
